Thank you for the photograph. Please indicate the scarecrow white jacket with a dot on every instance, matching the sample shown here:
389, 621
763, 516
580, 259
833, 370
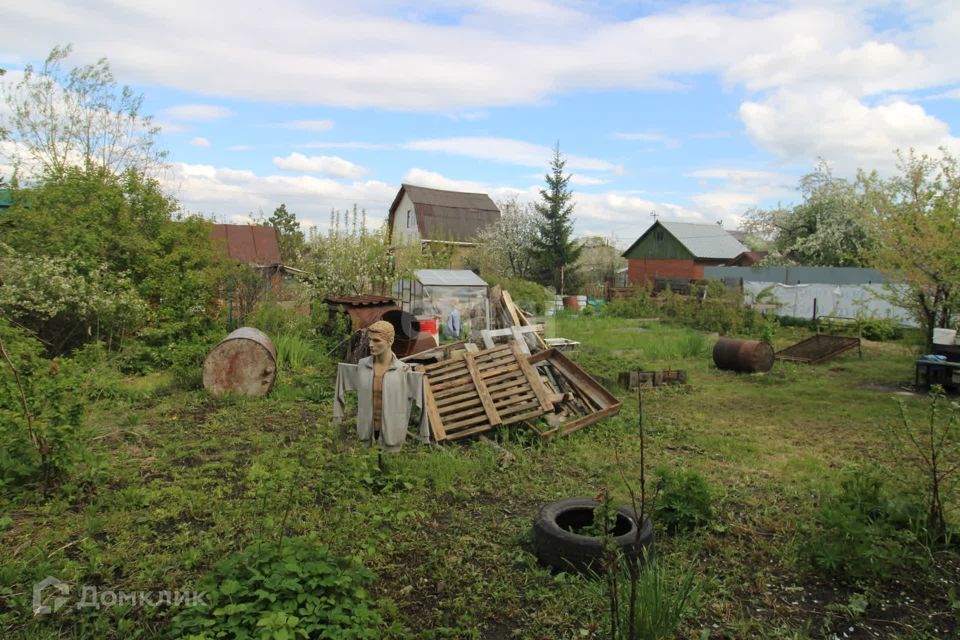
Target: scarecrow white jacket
402, 390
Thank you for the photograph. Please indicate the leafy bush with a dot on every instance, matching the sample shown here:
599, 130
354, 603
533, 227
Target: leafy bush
861, 533
43, 442
879, 329
295, 589
186, 358
685, 499
640, 305
525, 294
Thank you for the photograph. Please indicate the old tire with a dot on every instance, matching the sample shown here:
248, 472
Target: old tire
559, 546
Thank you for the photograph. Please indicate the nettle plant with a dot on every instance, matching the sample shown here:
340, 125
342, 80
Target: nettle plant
292, 589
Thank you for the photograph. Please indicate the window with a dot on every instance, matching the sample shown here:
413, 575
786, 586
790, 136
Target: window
408, 218
659, 236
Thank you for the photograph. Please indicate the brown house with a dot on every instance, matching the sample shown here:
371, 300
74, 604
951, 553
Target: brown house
679, 251
419, 214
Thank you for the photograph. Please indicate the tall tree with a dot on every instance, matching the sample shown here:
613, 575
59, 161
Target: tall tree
916, 218
825, 229
507, 243
555, 251
78, 118
291, 237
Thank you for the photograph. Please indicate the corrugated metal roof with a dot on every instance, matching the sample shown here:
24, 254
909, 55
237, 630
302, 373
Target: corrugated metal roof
453, 216
449, 278
248, 243
704, 240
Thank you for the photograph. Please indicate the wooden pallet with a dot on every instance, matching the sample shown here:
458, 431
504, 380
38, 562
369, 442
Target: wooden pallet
482, 391
584, 399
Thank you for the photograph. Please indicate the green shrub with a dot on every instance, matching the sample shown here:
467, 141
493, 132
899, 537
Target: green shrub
685, 500
276, 320
640, 305
294, 352
186, 358
860, 532
44, 443
296, 589
879, 329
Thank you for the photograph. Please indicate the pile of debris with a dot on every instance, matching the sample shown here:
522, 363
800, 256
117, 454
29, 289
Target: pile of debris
515, 378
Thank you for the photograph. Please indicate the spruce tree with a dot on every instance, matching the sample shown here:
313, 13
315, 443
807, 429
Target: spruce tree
556, 253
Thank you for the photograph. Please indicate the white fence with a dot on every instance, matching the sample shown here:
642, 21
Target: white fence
845, 300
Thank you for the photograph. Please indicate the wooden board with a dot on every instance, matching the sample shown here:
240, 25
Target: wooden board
482, 391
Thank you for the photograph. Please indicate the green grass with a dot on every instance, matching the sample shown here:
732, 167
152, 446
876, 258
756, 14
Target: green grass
183, 480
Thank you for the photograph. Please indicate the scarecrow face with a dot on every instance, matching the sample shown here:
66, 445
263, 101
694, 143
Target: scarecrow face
378, 344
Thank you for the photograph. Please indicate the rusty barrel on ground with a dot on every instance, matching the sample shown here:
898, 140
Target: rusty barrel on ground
746, 356
570, 302
245, 362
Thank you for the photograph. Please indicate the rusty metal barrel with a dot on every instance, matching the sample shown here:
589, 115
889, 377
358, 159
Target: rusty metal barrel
746, 356
245, 362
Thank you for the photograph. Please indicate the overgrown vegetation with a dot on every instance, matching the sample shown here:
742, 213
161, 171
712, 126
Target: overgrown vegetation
284, 590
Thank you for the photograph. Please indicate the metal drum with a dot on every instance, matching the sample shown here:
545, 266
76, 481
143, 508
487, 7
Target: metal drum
746, 356
245, 362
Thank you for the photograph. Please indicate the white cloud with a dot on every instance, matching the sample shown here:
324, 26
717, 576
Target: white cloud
199, 142
306, 125
196, 112
391, 55
329, 165
726, 192
587, 181
509, 151
233, 194
171, 127
375, 146
666, 141
842, 129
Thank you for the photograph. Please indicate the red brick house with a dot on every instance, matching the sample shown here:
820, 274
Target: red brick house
679, 251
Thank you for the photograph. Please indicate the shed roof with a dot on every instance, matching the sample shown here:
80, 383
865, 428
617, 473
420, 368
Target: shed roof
702, 240
248, 243
454, 216
449, 278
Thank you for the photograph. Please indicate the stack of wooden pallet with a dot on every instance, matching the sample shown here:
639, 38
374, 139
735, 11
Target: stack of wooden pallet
480, 391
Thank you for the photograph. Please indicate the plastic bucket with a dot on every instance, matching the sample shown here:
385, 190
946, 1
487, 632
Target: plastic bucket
429, 324
944, 336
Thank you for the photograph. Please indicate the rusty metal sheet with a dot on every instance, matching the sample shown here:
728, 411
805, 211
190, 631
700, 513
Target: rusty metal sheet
818, 348
245, 362
361, 300
247, 243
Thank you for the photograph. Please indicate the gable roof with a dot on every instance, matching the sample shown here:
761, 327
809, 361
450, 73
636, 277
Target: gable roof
248, 243
447, 215
702, 240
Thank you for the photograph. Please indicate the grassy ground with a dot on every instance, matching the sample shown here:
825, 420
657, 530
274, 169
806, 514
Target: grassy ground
184, 480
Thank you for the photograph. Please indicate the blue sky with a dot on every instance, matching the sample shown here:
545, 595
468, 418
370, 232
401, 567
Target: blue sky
697, 111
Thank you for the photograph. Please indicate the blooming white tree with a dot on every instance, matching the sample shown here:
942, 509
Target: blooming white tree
81, 118
508, 243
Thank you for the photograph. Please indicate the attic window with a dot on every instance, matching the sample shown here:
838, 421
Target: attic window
659, 236
408, 218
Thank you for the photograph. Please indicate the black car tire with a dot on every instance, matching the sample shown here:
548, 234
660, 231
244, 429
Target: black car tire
561, 549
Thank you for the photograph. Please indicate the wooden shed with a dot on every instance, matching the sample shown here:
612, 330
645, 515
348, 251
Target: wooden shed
679, 251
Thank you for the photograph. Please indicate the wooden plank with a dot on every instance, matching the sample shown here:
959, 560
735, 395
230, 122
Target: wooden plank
525, 394
488, 406
469, 432
452, 391
510, 382
525, 322
533, 379
462, 408
433, 416
471, 347
522, 417
514, 408
452, 398
510, 307
453, 426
